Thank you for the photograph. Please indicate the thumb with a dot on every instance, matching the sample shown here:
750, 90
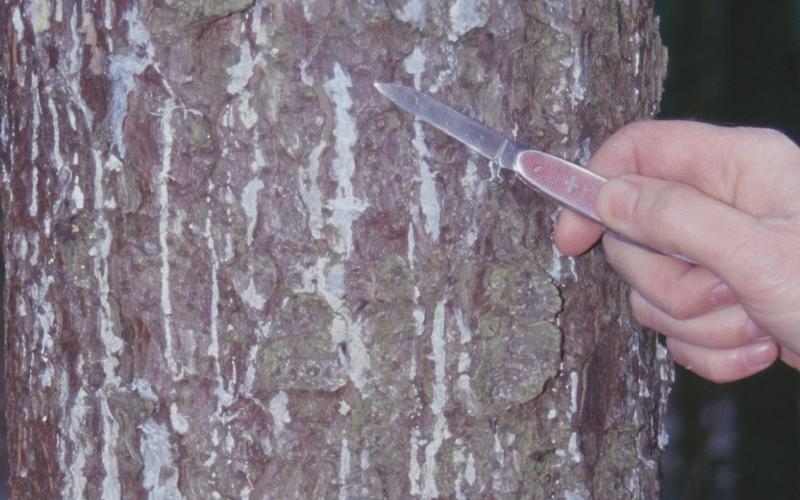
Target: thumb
678, 219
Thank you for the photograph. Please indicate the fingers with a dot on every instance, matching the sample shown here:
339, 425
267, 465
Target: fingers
677, 288
725, 198
722, 162
710, 158
724, 328
678, 219
724, 365
722, 346
574, 233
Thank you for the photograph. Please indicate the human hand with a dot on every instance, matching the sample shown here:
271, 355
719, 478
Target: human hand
729, 199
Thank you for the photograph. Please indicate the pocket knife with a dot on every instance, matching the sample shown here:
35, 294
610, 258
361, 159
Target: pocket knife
565, 182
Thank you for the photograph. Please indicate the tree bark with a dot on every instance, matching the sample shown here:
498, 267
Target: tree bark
234, 270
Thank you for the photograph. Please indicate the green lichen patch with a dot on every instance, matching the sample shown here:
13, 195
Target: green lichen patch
393, 282
392, 333
286, 107
517, 347
300, 355
381, 412
205, 11
514, 291
386, 293
522, 288
378, 425
513, 368
303, 315
622, 465
296, 363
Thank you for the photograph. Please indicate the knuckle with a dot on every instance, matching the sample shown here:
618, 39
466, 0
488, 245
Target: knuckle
676, 292
658, 210
681, 308
658, 217
767, 136
628, 133
667, 202
621, 145
781, 247
773, 266
775, 138
679, 302
765, 141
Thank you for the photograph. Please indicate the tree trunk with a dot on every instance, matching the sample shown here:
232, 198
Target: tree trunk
234, 270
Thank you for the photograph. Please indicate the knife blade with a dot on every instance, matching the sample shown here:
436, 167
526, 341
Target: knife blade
457, 125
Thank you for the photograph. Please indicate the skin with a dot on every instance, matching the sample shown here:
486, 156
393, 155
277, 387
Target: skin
727, 198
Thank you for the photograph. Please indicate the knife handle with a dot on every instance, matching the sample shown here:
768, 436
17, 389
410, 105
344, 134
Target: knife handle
570, 185
567, 183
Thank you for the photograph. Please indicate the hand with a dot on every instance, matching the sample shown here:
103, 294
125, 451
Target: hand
729, 199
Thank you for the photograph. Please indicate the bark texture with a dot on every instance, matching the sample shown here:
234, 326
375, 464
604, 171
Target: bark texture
236, 271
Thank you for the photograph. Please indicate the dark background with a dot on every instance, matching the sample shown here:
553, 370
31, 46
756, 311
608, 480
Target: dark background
733, 62
730, 62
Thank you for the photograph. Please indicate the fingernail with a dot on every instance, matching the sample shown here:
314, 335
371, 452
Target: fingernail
755, 332
761, 355
722, 295
621, 195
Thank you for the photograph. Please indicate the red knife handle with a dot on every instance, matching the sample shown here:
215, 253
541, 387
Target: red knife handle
567, 183
570, 185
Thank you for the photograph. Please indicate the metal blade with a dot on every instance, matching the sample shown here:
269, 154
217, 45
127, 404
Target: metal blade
457, 125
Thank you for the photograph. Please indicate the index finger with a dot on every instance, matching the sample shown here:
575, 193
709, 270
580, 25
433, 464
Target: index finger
708, 157
713, 159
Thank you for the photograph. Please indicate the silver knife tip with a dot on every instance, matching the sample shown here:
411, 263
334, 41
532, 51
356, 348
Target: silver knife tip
395, 92
381, 86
